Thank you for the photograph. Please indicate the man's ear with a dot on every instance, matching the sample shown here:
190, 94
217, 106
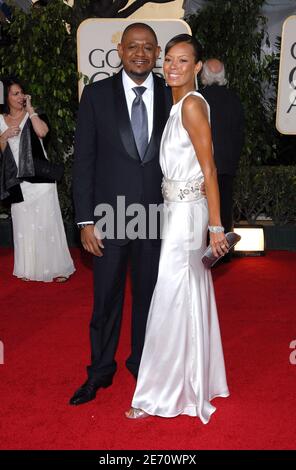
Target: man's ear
158, 51
119, 50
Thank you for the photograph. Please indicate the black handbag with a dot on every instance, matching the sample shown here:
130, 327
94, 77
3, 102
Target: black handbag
48, 170
44, 169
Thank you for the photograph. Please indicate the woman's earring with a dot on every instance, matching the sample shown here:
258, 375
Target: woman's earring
196, 82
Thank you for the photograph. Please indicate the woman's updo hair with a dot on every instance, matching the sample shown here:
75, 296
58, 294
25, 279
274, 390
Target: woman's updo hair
197, 49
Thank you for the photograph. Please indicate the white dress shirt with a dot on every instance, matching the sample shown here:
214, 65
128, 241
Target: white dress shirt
128, 85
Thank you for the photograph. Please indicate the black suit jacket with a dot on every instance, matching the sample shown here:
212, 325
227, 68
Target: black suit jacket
106, 160
227, 123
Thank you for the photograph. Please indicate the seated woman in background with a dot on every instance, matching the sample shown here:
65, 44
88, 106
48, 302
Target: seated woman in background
40, 248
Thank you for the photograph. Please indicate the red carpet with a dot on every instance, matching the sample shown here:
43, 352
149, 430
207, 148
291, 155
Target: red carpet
44, 328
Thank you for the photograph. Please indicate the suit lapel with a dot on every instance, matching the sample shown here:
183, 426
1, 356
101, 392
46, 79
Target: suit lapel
159, 119
160, 115
124, 124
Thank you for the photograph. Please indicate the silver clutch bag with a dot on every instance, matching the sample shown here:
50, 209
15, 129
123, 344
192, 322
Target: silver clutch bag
209, 259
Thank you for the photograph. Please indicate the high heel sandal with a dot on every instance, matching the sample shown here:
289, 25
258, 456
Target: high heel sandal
136, 413
61, 279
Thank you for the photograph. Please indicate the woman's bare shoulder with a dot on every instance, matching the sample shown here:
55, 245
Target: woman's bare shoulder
194, 104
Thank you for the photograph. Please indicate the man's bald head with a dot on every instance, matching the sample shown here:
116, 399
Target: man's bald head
215, 65
213, 72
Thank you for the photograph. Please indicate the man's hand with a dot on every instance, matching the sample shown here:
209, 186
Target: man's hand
91, 241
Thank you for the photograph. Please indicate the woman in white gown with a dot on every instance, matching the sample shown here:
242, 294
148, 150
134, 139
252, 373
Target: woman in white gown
40, 248
182, 366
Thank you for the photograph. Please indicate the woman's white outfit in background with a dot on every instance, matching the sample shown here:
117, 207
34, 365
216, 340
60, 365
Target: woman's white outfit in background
40, 247
182, 366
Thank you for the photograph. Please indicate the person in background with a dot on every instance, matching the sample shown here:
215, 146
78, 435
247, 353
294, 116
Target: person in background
40, 248
227, 124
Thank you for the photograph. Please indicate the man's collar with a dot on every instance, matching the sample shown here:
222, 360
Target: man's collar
128, 83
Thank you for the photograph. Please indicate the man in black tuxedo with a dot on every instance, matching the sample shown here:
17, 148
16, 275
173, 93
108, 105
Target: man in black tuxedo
117, 141
227, 124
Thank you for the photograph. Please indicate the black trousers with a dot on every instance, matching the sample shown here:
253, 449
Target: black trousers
226, 201
109, 285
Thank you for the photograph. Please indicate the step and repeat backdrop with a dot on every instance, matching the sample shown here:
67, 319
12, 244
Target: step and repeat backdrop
286, 102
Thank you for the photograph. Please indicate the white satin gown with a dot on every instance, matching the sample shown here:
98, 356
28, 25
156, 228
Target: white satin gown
182, 366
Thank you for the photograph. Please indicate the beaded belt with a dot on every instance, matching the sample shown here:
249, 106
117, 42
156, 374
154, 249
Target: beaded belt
181, 191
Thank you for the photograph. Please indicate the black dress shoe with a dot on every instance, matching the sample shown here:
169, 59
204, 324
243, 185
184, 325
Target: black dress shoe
88, 391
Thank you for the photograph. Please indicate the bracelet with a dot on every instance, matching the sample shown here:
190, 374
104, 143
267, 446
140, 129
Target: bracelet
32, 115
216, 228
